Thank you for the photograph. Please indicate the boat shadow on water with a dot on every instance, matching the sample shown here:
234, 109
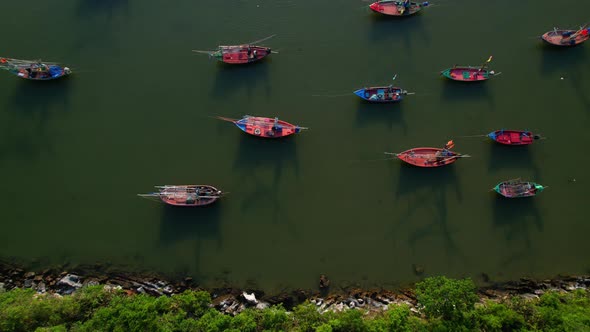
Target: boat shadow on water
196, 224
460, 91
568, 62
369, 114
231, 79
561, 59
278, 154
428, 189
513, 157
517, 216
403, 30
181, 223
38, 98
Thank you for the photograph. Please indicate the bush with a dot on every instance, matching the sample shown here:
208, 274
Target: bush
307, 317
446, 298
274, 318
448, 305
497, 317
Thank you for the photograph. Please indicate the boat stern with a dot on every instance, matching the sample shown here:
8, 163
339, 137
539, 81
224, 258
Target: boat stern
360, 93
375, 6
446, 73
497, 189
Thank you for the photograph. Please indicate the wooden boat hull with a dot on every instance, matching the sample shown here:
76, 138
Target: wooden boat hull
381, 94
396, 8
428, 157
266, 128
242, 54
518, 189
467, 74
512, 137
187, 195
561, 38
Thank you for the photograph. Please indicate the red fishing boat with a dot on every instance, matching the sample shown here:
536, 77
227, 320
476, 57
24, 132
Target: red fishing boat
513, 137
397, 7
430, 157
561, 37
240, 54
469, 73
264, 127
186, 195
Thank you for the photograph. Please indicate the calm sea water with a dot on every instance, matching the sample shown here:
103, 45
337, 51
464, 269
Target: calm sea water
75, 152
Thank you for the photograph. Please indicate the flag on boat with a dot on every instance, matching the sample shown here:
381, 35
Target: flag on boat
490, 59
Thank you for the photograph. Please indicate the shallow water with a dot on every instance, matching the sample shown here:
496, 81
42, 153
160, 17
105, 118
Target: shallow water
75, 152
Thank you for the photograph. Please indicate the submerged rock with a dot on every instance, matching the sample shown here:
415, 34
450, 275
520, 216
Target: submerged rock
324, 281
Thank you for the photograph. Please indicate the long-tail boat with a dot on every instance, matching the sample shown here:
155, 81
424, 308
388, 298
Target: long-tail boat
513, 137
381, 94
264, 127
240, 54
397, 8
469, 73
34, 70
430, 157
186, 195
563, 37
517, 188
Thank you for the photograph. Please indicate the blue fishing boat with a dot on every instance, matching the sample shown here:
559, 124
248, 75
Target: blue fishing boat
382, 94
34, 70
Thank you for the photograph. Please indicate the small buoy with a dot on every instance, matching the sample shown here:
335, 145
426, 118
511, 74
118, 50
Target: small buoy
561, 78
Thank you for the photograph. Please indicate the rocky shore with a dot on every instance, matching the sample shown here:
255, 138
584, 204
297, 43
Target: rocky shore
61, 282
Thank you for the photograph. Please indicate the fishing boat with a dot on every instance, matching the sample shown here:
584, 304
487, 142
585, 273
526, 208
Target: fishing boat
264, 127
397, 8
381, 94
430, 157
517, 188
240, 54
186, 195
561, 37
34, 70
513, 137
469, 73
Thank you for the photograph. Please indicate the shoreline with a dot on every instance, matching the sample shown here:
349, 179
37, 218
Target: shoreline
230, 300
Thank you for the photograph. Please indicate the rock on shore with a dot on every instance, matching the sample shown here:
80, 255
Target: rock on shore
232, 301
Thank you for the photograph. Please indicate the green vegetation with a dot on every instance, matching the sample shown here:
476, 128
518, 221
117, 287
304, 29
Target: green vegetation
445, 305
